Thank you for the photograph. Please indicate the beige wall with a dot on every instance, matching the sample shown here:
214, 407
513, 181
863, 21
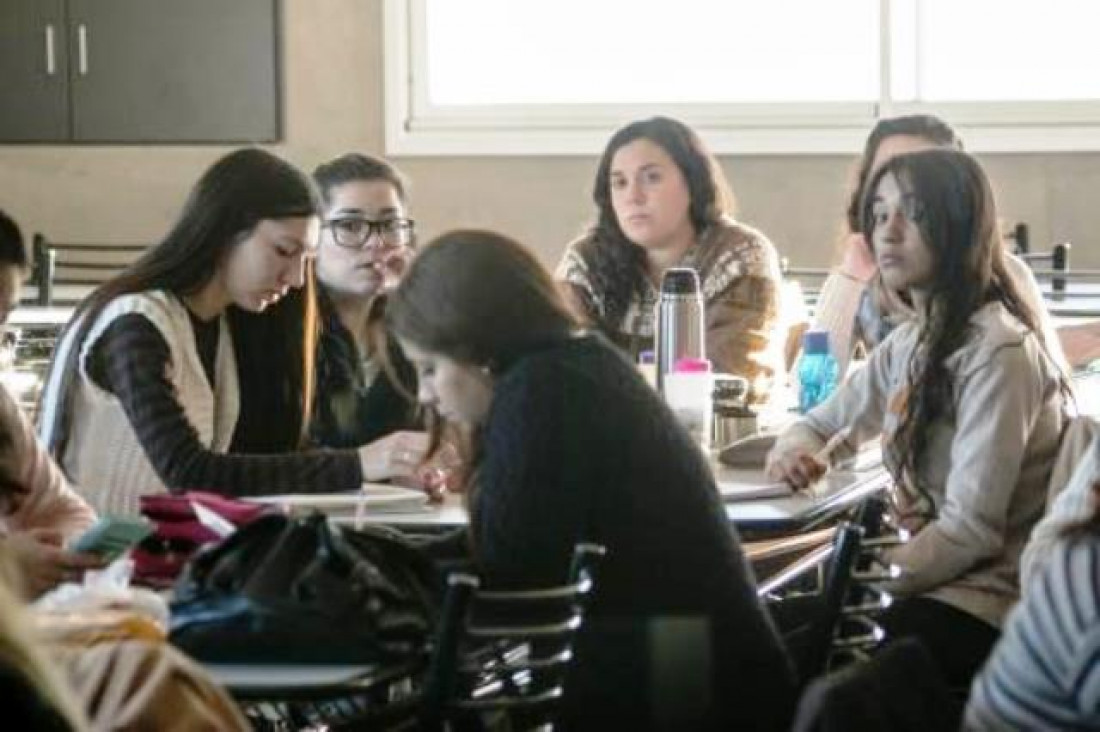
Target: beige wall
333, 103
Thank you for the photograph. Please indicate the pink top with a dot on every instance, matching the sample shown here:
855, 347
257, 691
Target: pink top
41, 497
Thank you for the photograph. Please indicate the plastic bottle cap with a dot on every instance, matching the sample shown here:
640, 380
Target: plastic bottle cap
647, 357
815, 341
680, 281
691, 366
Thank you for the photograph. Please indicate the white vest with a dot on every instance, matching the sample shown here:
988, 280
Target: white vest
103, 454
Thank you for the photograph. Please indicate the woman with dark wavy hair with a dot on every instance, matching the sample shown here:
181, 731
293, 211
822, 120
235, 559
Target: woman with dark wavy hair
966, 399
662, 201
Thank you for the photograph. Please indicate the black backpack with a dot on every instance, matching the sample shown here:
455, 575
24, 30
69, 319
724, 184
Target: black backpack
285, 590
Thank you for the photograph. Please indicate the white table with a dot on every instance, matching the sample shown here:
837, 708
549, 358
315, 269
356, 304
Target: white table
838, 491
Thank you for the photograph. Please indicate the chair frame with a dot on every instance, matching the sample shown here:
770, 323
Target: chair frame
462, 682
48, 256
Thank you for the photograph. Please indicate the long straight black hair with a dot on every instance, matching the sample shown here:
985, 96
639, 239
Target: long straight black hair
274, 349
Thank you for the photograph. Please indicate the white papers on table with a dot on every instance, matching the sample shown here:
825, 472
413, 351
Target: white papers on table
750, 488
373, 498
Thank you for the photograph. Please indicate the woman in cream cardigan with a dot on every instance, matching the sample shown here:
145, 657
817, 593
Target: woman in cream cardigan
193, 369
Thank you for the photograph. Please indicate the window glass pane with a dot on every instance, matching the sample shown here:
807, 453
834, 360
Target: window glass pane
1007, 50
624, 51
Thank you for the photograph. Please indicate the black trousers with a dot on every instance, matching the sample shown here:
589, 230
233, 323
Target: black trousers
959, 642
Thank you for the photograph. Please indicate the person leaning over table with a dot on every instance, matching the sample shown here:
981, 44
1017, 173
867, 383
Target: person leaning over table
207, 340
662, 201
571, 445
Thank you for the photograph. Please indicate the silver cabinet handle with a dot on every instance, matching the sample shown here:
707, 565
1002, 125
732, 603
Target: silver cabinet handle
51, 65
82, 49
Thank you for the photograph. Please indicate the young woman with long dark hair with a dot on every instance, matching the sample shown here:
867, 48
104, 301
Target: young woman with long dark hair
367, 239
147, 386
966, 398
854, 306
570, 444
662, 201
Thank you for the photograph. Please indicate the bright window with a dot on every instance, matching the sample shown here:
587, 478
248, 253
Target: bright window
568, 51
775, 76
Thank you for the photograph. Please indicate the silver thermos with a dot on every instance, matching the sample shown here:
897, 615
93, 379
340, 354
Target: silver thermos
680, 329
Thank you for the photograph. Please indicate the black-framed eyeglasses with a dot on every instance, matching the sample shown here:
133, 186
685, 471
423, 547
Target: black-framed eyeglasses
353, 232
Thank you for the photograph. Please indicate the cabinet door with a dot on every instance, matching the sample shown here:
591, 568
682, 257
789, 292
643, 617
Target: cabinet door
174, 71
34, 103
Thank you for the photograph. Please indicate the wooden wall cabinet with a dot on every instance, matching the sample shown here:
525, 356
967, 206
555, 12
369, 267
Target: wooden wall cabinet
139, 71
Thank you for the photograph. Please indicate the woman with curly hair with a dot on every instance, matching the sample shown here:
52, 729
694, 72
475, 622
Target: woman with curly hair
662, 201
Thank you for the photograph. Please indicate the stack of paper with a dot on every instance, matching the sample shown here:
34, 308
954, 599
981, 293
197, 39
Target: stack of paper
373, 498
747, 487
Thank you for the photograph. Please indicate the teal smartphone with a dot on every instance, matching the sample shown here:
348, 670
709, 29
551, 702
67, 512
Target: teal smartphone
111, 536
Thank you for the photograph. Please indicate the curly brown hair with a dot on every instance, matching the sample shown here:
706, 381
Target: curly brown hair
616, 264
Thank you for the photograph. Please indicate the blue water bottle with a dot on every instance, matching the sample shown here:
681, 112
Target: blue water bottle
817, 371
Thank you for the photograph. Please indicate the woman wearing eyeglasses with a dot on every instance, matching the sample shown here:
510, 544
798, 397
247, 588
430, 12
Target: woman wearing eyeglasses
193, 369
366, 243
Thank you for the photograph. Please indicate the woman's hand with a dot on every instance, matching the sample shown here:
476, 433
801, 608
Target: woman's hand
43, 561
391, 265
797, 466
858, 261
397, 455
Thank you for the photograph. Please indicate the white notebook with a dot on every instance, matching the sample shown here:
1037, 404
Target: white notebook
750, 490
374, 498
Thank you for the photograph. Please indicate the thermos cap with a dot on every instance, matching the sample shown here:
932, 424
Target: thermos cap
815, 341
680, 281
691, 366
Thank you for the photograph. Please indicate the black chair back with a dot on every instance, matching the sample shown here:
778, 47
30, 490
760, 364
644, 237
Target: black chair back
65, 273
506, 650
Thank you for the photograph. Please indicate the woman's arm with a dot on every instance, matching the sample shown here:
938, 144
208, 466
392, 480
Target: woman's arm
741, 329
135, 362
47, 501
1045, 671
997, 406
1075, 503
575, 284
859, 404
837, 308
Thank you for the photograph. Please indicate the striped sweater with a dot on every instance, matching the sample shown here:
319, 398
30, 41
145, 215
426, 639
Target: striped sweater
1045, 672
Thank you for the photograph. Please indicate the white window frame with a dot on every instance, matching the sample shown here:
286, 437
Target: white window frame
415, 127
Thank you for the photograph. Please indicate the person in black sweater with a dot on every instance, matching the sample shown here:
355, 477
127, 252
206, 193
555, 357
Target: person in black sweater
571, 445
366, 242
